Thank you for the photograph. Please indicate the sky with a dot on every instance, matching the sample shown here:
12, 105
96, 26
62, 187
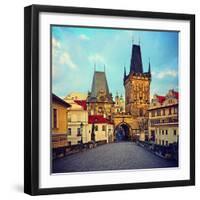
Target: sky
76, 50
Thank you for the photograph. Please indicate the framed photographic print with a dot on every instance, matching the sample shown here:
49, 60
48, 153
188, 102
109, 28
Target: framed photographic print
109, 99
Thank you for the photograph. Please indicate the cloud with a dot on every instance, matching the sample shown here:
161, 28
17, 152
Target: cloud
65, 59
56, 46
84, 37
96, 58
167, 73
55, 43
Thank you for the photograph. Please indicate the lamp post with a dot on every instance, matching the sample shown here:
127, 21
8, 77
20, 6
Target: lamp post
81, 126
93, 130
142, 126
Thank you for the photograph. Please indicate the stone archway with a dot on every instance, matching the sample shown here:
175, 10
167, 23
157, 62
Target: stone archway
122, 132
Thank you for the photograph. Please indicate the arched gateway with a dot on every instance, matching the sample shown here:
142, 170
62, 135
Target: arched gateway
126, 127
122, 132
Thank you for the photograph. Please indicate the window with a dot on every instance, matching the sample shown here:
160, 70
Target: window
141, 112
78, 131
69, 118
174, 132
55, 116
103, 128
175, 110
170, 111
166, 132
158, 113
163, 142
153, 113
96, 128
166, 143
163, 132
163, 111
100, 110
69, 131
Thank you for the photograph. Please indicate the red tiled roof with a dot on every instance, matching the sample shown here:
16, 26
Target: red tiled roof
81, 103
160, 98
176, 94
98, 119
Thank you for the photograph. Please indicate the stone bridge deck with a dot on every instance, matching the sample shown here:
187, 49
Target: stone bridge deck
114, 156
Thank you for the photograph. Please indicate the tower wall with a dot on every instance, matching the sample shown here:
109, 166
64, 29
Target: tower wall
137, 94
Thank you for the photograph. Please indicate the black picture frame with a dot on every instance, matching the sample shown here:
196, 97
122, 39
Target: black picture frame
31, 98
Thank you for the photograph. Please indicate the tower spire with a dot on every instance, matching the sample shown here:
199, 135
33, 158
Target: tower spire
149, 71
94, 67
136, 60
124, 72
132, 39
117, 94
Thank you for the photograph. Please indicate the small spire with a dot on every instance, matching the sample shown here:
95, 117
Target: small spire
149, 71
132, 39
139, 40
94, 67
124, 72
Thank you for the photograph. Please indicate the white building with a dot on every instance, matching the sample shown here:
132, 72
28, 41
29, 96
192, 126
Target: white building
163, 119
78, 122
100, 129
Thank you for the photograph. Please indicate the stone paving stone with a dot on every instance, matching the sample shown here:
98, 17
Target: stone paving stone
114, 156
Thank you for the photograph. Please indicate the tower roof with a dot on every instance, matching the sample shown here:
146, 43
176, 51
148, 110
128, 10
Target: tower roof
99, 85
136, 60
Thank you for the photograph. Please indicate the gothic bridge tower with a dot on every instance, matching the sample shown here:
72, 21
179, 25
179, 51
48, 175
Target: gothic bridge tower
137, 85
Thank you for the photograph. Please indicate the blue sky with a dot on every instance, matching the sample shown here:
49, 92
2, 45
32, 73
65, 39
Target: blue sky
75, 51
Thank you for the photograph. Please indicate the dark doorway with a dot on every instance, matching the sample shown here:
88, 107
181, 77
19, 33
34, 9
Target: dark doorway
122, 133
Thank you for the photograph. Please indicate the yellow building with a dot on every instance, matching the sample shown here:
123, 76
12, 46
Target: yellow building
163, 119
59, 123
76, 96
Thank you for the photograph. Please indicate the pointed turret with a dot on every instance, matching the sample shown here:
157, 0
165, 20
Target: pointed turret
99, 86
149, 70
94, 67
136, 60
124, 72
117, 94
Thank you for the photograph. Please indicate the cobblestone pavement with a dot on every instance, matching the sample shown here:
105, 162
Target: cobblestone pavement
114, 156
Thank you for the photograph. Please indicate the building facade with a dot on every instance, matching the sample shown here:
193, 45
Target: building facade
99, 100
100, 129
59, 125
78, 122
119, 106
133, 123
76, 96
163, 119
137, 85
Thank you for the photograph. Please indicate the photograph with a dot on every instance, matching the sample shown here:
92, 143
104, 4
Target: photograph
109, 99
114, 99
